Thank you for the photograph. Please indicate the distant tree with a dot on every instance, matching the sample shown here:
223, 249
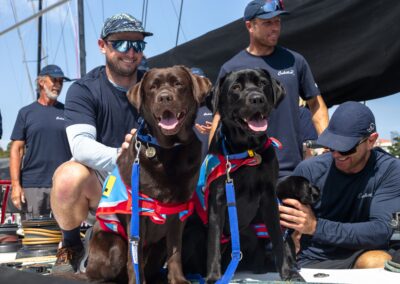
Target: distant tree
5, 153
395, 148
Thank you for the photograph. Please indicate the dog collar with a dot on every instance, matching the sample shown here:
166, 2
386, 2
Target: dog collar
147, 138
250, 153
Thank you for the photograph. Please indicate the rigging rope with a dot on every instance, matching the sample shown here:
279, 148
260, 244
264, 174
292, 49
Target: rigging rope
177, 17
91, 18
23, 51
61, 35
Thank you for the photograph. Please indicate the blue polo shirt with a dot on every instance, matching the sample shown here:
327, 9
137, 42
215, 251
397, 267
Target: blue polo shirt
43, 130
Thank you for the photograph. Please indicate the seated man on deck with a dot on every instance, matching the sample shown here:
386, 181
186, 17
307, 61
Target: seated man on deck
360, 189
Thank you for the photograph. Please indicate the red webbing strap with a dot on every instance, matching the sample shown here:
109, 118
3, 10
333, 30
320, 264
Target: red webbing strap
7, 184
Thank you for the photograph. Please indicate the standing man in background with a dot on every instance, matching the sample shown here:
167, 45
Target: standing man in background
263, 22
98, 116
39, 145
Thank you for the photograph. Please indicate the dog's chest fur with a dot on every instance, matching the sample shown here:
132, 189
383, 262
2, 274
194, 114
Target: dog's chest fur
170, 176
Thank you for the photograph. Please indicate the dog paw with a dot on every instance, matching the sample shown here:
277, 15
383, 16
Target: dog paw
293, 276
212, 279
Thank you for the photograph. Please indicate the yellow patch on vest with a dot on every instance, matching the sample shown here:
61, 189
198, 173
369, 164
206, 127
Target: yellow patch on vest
109, 185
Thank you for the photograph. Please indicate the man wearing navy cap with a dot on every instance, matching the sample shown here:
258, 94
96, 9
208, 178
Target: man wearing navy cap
39, 145
360, 189
98, 115
263, 22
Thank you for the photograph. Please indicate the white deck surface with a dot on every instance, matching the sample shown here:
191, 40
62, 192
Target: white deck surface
356, 276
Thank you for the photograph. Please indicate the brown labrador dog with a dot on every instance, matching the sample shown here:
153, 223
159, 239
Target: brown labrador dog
167, 100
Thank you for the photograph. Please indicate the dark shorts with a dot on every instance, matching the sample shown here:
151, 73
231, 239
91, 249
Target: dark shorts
342, 263
37, 202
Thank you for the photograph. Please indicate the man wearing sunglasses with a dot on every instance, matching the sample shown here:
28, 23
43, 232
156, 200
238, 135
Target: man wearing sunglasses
263, 22
360, 189
98, 115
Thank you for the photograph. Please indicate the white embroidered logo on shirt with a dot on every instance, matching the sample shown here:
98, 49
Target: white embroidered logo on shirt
286, 72
60, 118
364, 195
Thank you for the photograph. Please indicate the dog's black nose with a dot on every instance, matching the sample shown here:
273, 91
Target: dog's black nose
256, 99
164, 97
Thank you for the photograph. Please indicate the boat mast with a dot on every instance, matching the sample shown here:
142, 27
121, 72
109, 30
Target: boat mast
82, 51
39, 45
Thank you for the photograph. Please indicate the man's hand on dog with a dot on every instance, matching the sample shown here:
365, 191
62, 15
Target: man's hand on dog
298, 216
128, 139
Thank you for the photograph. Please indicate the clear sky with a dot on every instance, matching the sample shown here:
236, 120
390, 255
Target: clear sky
60, 41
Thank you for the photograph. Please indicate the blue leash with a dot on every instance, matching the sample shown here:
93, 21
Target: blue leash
235, 239
135, 237
233, 223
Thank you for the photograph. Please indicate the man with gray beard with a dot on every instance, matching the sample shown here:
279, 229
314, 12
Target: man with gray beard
39, 145
98, 116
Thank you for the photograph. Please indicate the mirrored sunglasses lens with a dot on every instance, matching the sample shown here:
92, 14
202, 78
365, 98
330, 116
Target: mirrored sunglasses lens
272, 6
138, 46
120, 45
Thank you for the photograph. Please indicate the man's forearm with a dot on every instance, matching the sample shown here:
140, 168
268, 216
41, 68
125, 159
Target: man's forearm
16, 155
365, 235
86, 150
320, 116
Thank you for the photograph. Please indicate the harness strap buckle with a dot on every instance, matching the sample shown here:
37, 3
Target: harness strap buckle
228, 169
237, 255
138, 146
134, 240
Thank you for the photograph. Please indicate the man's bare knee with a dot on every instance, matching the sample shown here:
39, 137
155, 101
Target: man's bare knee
372, 259
67, 181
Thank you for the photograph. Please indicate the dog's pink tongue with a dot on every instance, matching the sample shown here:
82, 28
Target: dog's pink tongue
168, 123
258, 125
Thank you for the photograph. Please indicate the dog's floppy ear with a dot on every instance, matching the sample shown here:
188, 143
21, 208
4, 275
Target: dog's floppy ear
279, 91
201, 85
214, 95
277, 88
134, 94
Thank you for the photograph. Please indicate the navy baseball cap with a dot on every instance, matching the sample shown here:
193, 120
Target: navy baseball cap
53, 71
351, 122
264, 9
122, 23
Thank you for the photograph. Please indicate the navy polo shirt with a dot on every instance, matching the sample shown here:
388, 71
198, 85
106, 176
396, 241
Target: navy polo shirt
95, 101
43, 130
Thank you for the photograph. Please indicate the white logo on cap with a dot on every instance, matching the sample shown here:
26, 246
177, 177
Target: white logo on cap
371, 127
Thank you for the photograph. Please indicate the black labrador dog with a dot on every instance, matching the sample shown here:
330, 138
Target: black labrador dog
244, 100
294, 187
167, 99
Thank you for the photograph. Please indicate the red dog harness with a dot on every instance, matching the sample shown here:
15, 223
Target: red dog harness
116, 199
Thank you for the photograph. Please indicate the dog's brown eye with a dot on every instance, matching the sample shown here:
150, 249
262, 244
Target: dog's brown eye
178, 84
153, 86
236, 87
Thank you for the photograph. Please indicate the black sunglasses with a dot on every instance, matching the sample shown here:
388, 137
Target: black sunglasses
123, 46
352, 150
